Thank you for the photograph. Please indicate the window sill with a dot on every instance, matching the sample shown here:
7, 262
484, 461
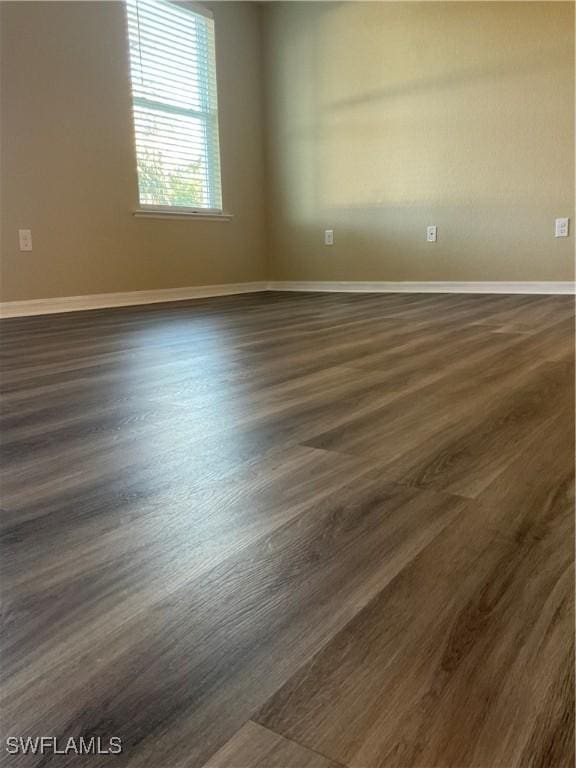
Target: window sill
145, 213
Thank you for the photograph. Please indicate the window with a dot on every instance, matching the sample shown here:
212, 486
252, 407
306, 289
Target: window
173, 70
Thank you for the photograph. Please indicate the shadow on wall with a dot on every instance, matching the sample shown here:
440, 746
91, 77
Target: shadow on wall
405, 104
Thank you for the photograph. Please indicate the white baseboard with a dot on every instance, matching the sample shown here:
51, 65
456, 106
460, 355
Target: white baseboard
130, 298
424, 287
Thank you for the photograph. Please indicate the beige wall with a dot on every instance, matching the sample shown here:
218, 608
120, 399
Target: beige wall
386, 117
381, 118
68, 169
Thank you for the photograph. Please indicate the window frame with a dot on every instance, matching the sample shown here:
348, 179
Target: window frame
145, 210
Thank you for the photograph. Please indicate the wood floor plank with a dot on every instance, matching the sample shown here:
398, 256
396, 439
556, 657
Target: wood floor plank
467, 456
243, 627
143, 541
450, 664
536, 491
456, 438
257, 747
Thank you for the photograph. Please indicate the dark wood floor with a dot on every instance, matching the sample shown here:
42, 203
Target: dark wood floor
292, 531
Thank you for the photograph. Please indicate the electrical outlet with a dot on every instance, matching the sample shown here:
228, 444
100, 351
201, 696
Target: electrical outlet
25, 239
431, 233
328, 237
561, 227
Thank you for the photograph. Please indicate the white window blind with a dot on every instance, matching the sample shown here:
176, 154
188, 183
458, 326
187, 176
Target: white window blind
173, 70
